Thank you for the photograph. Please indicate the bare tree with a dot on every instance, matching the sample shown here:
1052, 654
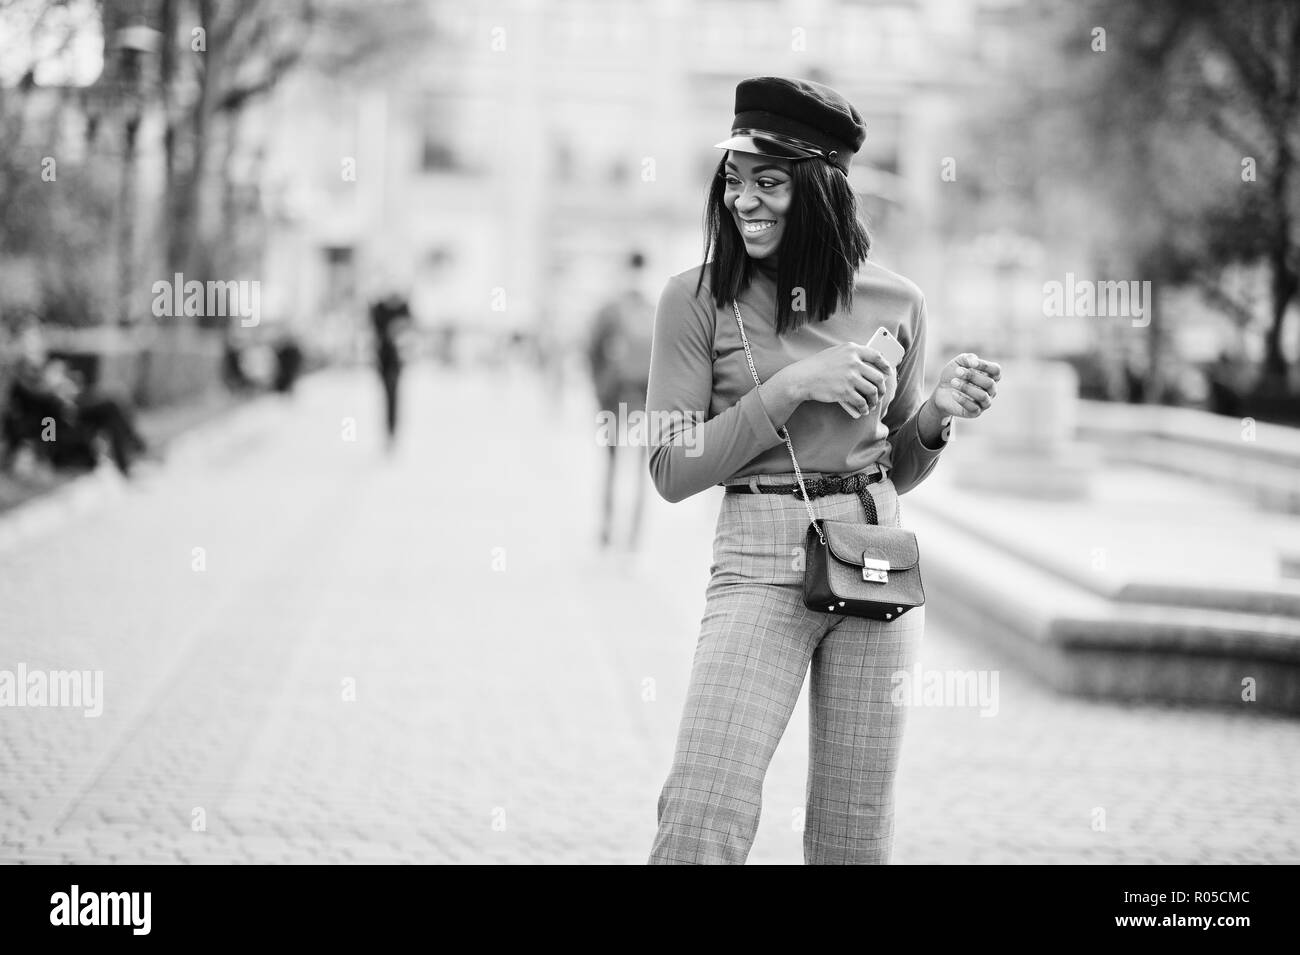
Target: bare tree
217, 59
1194, 110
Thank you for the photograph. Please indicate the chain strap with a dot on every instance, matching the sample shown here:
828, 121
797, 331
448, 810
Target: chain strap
812, 515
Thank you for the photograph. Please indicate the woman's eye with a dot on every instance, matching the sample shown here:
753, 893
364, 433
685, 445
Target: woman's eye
764, 183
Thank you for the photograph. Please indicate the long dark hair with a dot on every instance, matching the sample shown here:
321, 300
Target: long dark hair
825, 242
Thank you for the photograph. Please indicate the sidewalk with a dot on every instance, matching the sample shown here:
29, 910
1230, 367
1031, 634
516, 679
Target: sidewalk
45, 499
425, 658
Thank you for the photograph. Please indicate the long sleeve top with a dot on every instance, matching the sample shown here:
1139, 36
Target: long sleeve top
709, 424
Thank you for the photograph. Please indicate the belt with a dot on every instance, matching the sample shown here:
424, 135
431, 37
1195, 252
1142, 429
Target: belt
855, 483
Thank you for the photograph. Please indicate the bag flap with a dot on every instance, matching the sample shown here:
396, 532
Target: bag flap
849, 542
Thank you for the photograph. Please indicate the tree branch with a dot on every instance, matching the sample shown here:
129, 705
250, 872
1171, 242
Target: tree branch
1241, 313
1245, 56
281, 61
1217, 121
233, 100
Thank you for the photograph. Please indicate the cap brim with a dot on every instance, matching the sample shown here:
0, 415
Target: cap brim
764, 147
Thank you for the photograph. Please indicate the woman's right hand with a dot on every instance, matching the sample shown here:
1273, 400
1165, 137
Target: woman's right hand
850, 375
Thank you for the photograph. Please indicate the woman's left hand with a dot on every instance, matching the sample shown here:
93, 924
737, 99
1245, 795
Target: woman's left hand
967, 386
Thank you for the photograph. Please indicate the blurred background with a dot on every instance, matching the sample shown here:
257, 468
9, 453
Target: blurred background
346, 533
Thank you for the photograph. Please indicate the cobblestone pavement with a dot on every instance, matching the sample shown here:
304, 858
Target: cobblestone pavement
424, 657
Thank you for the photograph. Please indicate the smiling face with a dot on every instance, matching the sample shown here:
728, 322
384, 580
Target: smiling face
758, 193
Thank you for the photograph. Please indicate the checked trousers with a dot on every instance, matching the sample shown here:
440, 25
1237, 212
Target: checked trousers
757, 642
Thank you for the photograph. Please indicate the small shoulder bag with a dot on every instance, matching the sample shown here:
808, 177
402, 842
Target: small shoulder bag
850, 568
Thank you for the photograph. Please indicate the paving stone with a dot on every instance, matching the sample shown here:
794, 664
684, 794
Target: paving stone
389, 658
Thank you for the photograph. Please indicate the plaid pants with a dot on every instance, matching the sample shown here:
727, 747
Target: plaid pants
757, 640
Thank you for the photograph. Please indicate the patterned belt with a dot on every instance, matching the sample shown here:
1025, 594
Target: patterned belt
855, 483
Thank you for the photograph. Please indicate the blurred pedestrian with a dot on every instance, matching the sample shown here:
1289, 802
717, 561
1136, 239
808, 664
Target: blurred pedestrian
390, 317
1224, 382
618, 354
288, 362
1135, 379
233, 373
786, 248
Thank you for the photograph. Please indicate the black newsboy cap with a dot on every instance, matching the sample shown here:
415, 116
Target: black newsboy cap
795, 119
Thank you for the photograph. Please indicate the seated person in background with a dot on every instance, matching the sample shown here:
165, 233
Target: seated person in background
50, 407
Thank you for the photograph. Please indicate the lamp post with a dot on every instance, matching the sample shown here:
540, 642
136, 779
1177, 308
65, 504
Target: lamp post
132, 47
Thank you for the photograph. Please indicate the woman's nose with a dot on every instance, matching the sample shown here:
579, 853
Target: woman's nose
746, 201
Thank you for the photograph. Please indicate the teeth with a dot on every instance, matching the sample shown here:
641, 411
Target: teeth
752, 227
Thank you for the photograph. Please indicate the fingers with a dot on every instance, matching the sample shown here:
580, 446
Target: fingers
867, 378
990, 368
872, 367
974, 387
979, 380
869, 381
970, 395
861, 395
873, 360
868, 388
856, 404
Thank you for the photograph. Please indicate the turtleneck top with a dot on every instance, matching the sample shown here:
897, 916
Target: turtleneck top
707, 420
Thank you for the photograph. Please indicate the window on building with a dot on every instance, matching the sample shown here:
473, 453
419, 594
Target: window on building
340, 274
437, 148
436, 155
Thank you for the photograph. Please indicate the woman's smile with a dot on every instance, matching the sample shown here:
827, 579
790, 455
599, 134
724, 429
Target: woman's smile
761, 236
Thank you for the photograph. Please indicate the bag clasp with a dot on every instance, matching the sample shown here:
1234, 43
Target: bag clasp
875, 571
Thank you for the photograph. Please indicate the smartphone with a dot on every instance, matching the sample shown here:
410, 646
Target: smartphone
887, 345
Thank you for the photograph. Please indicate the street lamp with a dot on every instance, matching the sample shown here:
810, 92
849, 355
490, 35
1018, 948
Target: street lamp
132, 47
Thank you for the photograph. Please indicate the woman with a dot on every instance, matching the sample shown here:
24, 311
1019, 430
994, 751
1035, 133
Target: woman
50, 408
785, 242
